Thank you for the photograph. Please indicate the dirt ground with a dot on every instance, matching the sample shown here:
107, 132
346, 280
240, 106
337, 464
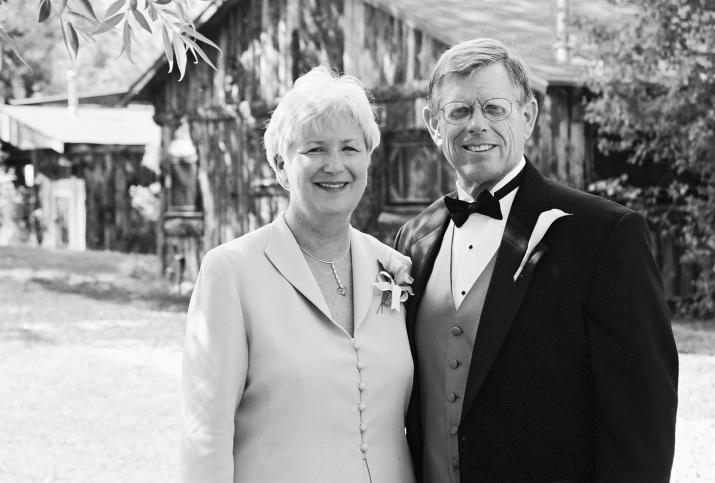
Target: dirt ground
90, 357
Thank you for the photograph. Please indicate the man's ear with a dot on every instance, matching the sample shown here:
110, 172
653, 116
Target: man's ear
530, 111
431, 118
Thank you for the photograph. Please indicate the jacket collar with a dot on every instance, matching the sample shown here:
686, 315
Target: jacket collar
284, 253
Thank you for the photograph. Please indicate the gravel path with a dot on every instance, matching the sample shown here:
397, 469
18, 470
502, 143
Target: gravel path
90, 356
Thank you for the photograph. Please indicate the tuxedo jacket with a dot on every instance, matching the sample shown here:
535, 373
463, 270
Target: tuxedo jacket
573, 375
273, 389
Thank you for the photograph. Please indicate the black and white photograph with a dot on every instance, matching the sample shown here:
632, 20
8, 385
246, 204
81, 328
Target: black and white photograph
357, 241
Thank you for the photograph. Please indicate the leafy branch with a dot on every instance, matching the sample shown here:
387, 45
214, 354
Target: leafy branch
80, 23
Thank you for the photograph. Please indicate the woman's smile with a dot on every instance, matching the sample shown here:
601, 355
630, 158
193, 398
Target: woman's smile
331, 186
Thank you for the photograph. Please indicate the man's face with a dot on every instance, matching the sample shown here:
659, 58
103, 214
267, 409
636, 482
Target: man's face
481, 150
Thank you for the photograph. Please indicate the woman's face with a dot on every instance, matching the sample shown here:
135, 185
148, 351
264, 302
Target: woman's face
326, 169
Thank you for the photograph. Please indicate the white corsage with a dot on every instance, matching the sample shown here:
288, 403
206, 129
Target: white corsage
393, 280
543, 223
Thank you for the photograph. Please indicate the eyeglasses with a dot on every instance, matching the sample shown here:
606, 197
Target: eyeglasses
459, 112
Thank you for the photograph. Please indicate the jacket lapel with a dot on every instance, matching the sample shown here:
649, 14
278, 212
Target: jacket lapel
364, 260
284, 253
505, 295
423, 254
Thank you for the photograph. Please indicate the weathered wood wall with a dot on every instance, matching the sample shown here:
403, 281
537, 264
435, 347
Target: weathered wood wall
108, 173
266, 45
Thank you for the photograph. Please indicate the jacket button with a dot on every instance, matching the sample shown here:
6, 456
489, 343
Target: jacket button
451, 397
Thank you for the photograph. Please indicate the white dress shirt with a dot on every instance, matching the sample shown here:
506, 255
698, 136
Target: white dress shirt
476, 242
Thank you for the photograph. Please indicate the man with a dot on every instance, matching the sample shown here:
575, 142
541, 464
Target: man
543, 349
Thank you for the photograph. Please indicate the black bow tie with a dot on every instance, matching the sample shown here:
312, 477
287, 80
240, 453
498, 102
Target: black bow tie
486, 203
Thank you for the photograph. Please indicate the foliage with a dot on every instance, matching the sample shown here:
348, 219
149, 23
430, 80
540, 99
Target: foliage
653, 73
98, 68
171, 19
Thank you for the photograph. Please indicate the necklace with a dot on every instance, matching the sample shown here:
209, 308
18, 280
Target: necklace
341, 288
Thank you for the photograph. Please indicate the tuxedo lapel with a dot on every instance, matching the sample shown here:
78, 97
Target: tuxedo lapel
364, 260
505, 295
423, 254
284, 253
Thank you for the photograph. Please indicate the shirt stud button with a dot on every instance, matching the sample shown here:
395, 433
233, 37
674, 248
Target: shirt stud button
470, 247
356, 346
453, 430
456, 331
363, 428
361, 386
362, 407
453, 364
463, 292
363, 448
361, 365
451, 397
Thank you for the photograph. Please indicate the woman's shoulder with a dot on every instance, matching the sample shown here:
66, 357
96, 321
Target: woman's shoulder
245, 247
383, 252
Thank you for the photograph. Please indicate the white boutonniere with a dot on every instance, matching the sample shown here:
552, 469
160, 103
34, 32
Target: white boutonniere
543, 223
393, 280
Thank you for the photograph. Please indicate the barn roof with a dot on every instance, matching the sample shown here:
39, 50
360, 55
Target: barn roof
528, 27
100, 97
51, 127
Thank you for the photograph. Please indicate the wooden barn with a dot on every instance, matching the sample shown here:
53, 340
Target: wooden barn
77, 165
217, 184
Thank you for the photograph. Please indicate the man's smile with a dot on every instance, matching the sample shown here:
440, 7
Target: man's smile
478, 148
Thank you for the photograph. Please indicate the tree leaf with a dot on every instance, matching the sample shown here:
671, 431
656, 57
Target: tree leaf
63, 4
151, 9
141, 20
10, 43
108, 24
88, 6
190, 32
114, 8
196, 49
45, 10
168, 48
74, 41
180, 9
127, 42
180, 53
69, 35
81, 17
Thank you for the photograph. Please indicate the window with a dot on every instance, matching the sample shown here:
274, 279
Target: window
417, 172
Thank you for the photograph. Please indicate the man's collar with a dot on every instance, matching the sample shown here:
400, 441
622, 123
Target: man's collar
465, 196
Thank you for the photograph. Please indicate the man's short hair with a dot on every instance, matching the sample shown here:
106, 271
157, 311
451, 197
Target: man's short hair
466, 57
317, 99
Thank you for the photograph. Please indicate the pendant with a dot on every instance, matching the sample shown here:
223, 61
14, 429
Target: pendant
342, 291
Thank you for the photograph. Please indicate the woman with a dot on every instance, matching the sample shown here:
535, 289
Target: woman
296, 367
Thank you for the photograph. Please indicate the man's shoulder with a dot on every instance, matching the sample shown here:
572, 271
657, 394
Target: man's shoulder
424, 223
595, 208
